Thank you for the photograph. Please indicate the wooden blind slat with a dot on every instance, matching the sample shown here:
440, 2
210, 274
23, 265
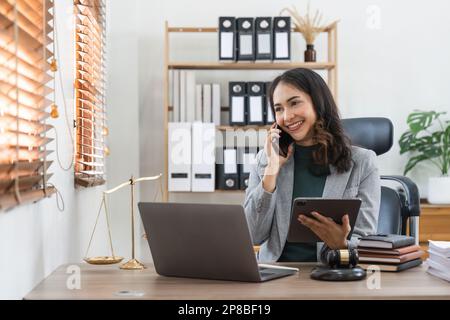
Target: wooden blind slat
92, 172
25, 97
34, 85
29, 12
87, 112
23, 111
35, 168
101, 141
30, 49
9, 122
38, 72
91, 142
101, 150
87, 106
9, 154
12, 138
25, 183
23, 166
26, 20
92, 164
8, 201
92, 155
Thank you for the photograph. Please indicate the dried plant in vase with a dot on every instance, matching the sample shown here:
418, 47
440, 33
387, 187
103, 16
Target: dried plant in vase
310, 26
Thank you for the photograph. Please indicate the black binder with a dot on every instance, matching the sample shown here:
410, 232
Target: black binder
282, 38
246, 39
227, 170
263, 38
238, 103
255, 103
269, 117
244, 156
227, 38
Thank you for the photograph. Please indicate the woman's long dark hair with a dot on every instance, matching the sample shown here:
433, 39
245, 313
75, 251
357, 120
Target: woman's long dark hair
334, 145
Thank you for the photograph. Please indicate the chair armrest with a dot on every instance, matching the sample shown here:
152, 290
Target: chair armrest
412, 197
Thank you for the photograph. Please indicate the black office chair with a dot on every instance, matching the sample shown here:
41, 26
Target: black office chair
397, 206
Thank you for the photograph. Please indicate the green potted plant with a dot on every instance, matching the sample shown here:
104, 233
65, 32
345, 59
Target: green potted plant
428, 139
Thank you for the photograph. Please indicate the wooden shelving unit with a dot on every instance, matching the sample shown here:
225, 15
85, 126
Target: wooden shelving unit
330, 66
224, 128
250, 65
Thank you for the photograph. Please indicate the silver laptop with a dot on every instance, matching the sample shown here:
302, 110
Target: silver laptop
208, 241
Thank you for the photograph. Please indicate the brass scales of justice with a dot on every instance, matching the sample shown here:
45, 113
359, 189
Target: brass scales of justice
132, 264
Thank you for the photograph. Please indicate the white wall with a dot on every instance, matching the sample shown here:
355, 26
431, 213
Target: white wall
37, 238
123, 115
386, 71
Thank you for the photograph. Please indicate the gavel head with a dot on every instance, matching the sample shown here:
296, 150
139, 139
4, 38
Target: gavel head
343, 258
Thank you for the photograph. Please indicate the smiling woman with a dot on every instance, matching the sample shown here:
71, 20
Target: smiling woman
320, 162
304, 107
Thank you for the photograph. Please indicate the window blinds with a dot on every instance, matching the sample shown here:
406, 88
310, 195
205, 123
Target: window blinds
25, 27
90, 92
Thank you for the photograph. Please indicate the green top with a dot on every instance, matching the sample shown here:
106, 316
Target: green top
309, 181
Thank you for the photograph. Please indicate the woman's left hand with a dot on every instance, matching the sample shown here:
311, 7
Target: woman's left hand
333, 234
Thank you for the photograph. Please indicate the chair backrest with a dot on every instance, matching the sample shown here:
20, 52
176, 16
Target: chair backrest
377, 134
390, 218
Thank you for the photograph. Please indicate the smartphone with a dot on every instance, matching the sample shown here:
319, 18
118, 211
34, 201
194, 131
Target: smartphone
283, 143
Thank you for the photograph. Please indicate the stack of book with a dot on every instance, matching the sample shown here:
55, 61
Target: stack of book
439, 259
389, 252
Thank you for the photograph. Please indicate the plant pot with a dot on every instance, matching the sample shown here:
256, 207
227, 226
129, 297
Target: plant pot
439, 190
310, 53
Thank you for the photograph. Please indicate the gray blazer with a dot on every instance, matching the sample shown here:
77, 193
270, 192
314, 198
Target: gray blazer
268, 214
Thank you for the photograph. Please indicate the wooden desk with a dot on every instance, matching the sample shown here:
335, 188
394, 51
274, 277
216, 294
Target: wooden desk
102, 282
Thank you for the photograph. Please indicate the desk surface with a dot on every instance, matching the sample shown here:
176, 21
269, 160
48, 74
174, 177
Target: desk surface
103, 282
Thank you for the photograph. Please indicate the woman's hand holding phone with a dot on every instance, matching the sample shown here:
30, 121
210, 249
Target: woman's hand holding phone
274, 160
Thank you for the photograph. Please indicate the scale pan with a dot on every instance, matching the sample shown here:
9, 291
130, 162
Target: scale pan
103, 260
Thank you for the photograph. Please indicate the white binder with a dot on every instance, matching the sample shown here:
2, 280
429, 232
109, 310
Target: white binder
216, 104
255, 91
203, 157
171, 86
263, 32
230, 161
198, 103
246, 38
270, 117
190, 96
179, 157
207, 103
183, 116
249, 160
227, 38
282, 38
237, 99
176, 96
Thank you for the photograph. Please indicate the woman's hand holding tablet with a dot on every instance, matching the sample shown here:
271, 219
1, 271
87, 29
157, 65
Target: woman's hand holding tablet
324, 220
